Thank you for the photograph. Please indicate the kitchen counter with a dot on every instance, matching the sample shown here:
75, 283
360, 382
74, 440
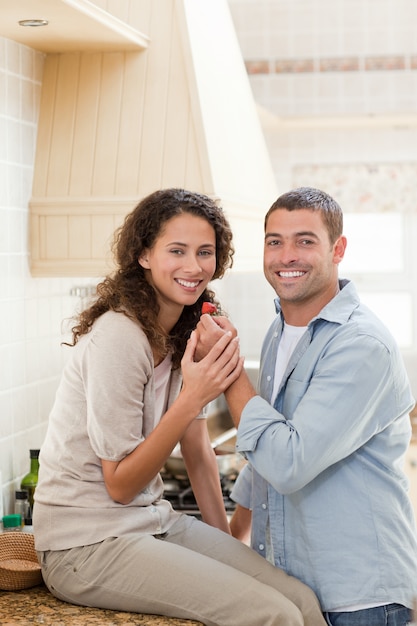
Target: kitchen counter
38, 606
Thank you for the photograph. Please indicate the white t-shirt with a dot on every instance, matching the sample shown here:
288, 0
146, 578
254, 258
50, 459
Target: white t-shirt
289, 339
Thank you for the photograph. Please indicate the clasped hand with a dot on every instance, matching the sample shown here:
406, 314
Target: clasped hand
211, 361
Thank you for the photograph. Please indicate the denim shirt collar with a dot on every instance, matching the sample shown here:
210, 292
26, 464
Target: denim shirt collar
339, 309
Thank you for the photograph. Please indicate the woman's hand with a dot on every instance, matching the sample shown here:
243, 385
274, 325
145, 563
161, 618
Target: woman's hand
209, 330
206, 379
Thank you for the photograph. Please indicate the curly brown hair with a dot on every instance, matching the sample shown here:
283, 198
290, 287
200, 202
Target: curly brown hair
128, 291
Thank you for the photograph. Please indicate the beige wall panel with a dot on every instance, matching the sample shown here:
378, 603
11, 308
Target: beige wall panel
101, 3
140, 15
44, 135
63, 124
34, 237
85, 127
156, 90
177, 118
134, 12
102, 230
79, 236
119, 8
128, 161
198, 156
194, 178
54, 237
108, 124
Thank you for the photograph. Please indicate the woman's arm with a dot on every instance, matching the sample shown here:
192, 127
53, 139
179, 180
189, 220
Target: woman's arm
240, 524
202, 469
203, 381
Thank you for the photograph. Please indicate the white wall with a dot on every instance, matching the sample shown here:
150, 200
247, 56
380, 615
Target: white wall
31, 310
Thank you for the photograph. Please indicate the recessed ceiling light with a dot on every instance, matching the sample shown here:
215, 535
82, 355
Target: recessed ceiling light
33, 22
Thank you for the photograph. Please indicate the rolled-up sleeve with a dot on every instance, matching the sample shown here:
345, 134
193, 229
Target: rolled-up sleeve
242, 489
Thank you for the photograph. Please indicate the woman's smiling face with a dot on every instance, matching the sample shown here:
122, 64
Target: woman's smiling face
182, 261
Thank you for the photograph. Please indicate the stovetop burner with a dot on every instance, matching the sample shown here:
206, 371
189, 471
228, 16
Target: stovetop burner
181, 496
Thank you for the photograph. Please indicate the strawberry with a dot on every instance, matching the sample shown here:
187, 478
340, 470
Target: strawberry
209, 307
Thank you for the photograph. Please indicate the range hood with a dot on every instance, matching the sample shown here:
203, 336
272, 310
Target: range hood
115, 126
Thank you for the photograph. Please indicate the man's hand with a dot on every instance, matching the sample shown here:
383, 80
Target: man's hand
205, 380
209, 330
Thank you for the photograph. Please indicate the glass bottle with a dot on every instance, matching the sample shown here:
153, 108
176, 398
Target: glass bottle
30, 481
21, 505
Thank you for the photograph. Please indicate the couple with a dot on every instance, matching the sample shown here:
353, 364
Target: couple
323, 484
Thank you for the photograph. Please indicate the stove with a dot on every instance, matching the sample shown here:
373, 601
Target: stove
179, 492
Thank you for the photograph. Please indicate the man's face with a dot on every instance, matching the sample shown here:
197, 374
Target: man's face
300, 262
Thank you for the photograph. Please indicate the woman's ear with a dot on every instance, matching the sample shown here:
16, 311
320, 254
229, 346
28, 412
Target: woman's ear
143, 260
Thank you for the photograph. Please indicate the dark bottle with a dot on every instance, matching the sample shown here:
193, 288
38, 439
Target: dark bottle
21, 505
30, 481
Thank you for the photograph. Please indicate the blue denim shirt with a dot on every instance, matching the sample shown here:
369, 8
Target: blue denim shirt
325, 477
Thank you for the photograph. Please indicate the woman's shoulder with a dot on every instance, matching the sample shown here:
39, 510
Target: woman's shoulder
118, 319
118, 327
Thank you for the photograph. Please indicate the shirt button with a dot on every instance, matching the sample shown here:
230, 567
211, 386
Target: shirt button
275, 334
264, 506
261, 546
268, 378
153, 509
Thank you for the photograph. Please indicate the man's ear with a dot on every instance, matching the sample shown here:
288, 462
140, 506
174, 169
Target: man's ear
339, 249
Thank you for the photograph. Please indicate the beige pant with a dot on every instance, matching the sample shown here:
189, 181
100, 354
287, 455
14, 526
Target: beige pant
193, 572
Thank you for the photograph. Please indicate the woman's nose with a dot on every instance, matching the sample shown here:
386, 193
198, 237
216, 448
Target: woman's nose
192, 263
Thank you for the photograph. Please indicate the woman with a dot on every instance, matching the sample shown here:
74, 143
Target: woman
104, 534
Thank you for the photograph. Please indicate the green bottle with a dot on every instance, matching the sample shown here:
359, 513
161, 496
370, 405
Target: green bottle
30, 481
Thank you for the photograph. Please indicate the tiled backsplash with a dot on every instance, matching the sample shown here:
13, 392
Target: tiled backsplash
32, 310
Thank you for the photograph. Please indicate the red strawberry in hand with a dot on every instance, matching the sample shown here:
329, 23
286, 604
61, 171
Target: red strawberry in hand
209, 307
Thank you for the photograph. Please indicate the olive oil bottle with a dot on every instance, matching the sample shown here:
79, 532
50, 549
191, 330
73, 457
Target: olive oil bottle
30, 481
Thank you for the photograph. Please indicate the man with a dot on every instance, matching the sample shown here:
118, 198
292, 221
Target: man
327, 434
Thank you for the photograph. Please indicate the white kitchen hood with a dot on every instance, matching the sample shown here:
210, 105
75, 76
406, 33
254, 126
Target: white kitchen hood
115, 126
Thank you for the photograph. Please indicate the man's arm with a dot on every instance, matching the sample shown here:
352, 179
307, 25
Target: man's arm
209, 329
238, 395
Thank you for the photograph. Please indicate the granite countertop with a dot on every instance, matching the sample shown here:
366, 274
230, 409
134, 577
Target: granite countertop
38, 606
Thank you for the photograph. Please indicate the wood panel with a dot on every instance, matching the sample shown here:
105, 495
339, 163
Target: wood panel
85, 126
115, 126
156, 96
108, 124
178, 113
131, 125
63, 123
44, 136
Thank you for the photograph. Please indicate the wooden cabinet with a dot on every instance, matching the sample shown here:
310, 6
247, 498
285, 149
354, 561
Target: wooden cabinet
115, 126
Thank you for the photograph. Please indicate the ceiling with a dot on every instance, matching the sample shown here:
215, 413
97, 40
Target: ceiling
73, 25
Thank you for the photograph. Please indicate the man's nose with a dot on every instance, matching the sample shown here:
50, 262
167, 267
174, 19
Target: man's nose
288, 253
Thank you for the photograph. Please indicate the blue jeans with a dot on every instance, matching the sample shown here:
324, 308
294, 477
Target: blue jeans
388, 615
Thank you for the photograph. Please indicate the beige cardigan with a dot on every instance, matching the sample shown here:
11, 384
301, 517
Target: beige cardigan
104, 408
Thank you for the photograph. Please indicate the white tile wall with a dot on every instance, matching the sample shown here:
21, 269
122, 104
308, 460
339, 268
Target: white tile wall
31, 309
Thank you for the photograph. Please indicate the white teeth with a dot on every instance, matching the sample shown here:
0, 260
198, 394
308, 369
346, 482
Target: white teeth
291, 274
186, 283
